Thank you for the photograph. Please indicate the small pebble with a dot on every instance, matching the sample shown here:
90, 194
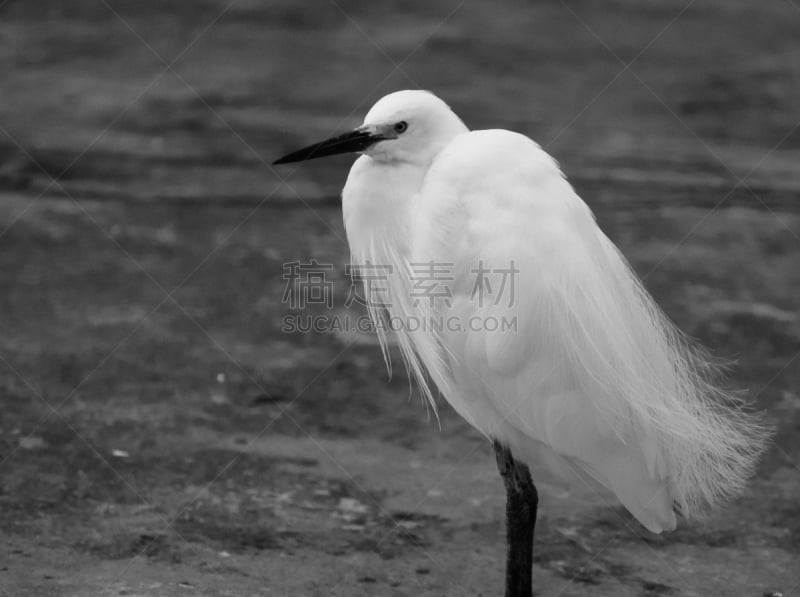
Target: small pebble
218, 398
352, 505
32, 442
352, 527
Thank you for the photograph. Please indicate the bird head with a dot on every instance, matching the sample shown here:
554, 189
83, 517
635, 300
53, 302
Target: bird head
406, 126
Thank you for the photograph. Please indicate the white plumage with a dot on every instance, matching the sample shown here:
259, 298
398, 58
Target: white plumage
594, 373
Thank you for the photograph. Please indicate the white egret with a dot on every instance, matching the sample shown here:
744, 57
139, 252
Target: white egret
593, 374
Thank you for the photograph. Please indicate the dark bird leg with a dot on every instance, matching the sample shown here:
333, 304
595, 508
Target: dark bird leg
521, 503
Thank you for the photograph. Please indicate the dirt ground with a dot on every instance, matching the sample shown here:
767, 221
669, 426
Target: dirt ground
163, 435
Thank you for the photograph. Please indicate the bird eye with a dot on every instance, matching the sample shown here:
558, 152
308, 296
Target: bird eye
400, 127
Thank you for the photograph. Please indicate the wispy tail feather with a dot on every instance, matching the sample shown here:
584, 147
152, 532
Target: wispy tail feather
704, 442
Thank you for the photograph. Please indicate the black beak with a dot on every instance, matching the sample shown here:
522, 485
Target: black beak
354, 141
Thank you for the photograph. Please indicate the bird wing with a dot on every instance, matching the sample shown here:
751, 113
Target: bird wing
586, 364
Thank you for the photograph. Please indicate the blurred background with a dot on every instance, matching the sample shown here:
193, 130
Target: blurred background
162, 432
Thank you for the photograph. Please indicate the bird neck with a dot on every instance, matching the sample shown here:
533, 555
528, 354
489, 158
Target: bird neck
376, 204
